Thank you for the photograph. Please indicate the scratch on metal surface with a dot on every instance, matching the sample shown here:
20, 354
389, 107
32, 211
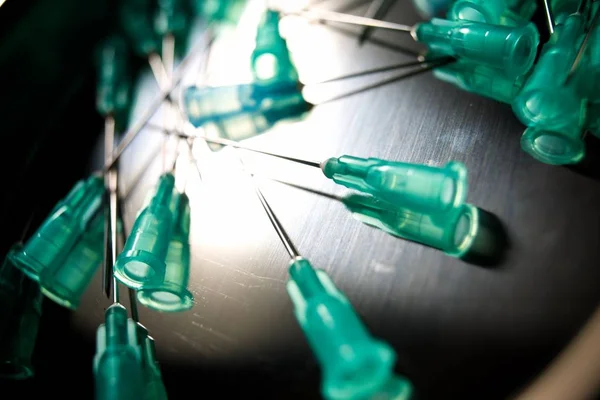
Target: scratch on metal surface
192, 343
253, 275
201, 288
244, 272
214, 332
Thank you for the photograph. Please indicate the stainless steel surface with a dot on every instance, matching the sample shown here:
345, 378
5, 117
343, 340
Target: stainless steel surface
459, 329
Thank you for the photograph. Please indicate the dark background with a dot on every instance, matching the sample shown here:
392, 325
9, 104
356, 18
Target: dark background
460, 329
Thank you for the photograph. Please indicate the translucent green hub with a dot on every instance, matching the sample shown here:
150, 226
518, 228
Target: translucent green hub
510, 49
51, 243
545, 99
353, 363
483, 11
481, 80
118, 371
561, 9
228, 11
556, 148
113, 85
242, 111
171, 17
418, 187
498, 12
142, 261
271, 61
154, 388
207, 104
65, 283
454, 231
172, 295
20, 333
136, 18
550, 107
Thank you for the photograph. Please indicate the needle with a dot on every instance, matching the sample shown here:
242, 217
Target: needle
155, 105
237, 145
549, 18
283, 236
350, 19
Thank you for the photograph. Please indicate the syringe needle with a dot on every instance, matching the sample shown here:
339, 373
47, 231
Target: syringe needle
131, 134
283, 236
383, 69
353, 362
237, 145
109, 182
333, 16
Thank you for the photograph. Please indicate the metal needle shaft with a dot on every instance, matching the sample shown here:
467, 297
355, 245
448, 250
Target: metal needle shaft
283, 236
237, 145
155, 105
351, 19
382, 69
549, 18
110, 215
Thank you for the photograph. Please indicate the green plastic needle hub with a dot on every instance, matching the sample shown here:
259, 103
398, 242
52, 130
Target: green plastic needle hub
19, 337
548, 105
512, 50
498, 12
113, 85
233, 112
454, 232
225, 11
561, 9
354, 364
136, 17
118, 370
172, 294
154, 388
481, 80
417, 187
142, 261
65, 283
171, 17
554, 147
207, 104
271, 62
49, 246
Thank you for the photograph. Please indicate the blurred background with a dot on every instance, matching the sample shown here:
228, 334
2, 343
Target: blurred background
460, 329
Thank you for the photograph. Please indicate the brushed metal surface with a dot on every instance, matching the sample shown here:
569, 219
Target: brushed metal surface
459, 329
